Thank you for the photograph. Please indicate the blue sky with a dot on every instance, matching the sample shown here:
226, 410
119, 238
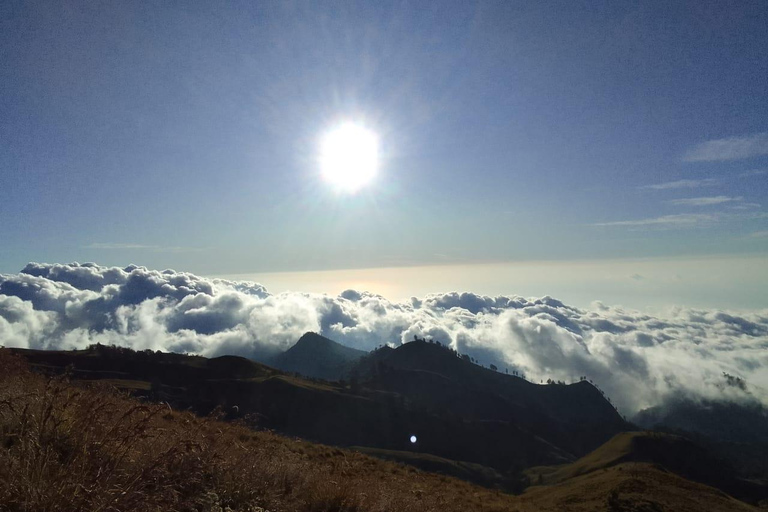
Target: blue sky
186, 135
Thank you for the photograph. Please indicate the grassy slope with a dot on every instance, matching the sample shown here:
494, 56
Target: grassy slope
68, 446
468, 471
81, 446
636, 487
670, 452
453, 421
617, 450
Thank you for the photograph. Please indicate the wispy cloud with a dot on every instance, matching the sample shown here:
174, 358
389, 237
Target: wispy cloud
108, 246
754, 172
671, 221
705, 201
669, 185
731, 148
759, 234
745, 206
689, 220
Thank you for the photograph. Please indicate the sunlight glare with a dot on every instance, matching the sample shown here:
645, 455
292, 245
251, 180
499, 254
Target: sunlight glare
349, 157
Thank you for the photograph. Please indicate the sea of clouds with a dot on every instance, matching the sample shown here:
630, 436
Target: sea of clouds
638, 359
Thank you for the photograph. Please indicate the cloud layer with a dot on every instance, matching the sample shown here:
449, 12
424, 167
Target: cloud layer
638, 359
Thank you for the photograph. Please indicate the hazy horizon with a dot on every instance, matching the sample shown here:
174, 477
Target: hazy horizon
641, 283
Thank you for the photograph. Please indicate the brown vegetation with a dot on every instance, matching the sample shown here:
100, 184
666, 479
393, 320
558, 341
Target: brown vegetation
630, 487
69, 447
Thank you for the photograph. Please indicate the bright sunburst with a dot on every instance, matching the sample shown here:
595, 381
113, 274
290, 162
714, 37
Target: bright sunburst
349, 157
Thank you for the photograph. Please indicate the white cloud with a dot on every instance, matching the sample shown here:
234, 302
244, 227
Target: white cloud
669, 221
705, 201
731, 148
691, 220
670, 185
745, 206
638, 359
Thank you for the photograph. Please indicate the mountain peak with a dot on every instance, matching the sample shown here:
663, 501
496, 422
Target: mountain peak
318, 357
313, 339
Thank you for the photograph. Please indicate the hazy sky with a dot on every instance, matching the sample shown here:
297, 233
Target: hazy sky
186, 135
650, 284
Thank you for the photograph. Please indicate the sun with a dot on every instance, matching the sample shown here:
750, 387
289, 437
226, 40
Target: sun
349, 157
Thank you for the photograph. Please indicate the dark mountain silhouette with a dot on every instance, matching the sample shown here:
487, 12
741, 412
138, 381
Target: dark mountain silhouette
734, 431
725, 421
318, 357
576, 418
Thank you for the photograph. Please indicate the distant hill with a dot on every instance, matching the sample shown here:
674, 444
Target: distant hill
725, 421
318, 357
735, 431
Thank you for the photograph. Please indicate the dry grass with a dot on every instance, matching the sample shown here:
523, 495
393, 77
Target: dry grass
630, 487
68, 447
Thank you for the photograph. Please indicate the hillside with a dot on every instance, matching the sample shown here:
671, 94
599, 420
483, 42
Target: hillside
71, 448
81, 446
630, 487
459, 411
315, 410
473, 423
574, 418
318, 357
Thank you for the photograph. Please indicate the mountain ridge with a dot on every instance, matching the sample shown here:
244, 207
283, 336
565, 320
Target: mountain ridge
431, 393
575, 417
